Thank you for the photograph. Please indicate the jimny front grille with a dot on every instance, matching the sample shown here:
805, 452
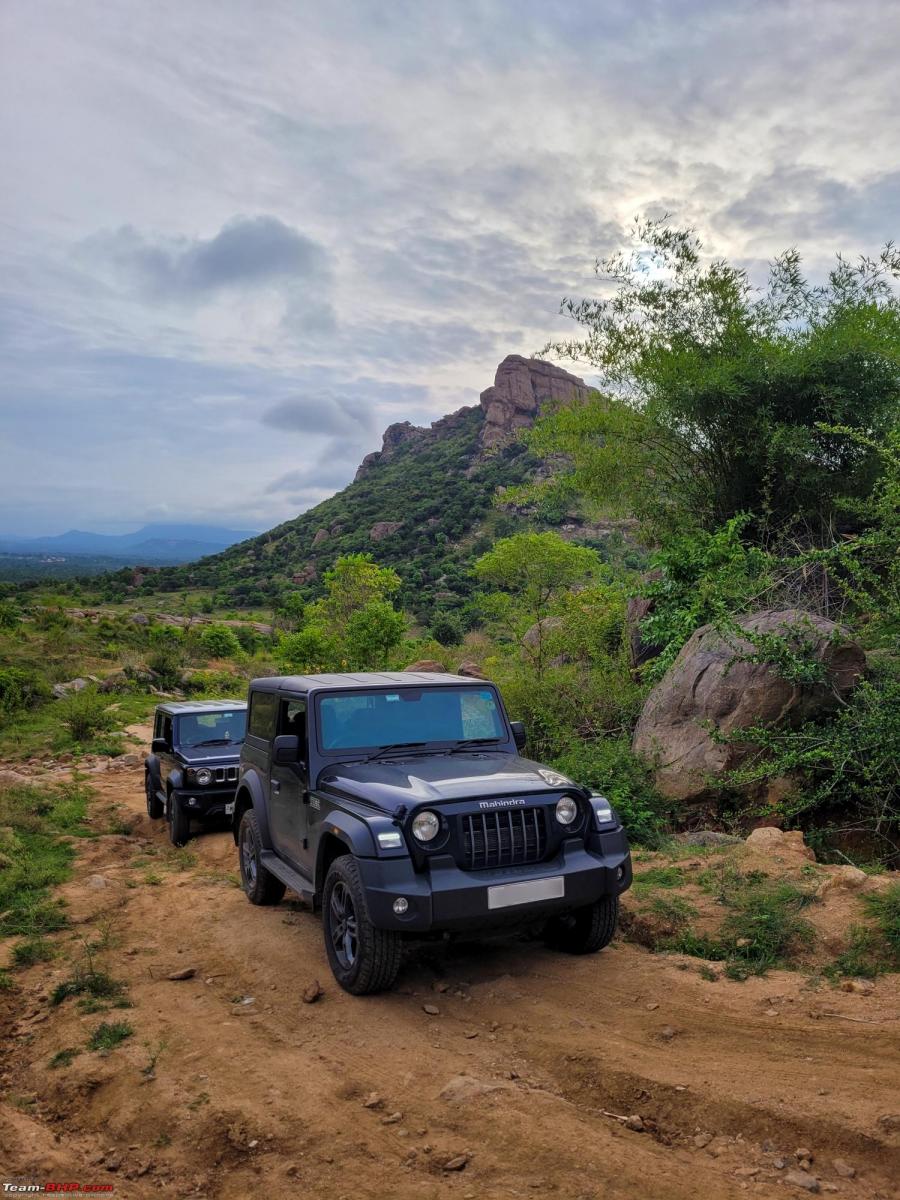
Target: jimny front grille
503, 838
225, 774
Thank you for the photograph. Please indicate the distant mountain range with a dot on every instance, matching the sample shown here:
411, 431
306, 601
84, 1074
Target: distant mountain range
152, 544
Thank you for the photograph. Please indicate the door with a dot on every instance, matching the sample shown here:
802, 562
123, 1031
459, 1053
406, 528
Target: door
164, 730
288, 802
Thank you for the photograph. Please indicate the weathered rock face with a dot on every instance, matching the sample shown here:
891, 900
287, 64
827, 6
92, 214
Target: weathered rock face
393, 437
383, 529
426, 664
708, 685
521, 387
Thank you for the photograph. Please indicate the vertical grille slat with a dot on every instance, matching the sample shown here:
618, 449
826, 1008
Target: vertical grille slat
503, 837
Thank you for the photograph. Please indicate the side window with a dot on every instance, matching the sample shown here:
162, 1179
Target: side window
157, 726
292, 720
167, 730
262, 714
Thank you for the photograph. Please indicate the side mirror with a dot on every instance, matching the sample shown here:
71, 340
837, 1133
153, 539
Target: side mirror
519, 734
159, 746
286, 748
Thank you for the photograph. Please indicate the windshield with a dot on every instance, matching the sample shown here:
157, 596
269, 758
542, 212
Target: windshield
363, 720
213, 728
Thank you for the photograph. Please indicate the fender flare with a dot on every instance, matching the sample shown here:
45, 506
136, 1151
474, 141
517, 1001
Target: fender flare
175, 780
151, 765
353, 832
250, 786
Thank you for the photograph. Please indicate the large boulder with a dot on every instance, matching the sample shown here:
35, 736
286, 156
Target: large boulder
383, 529
710, 686
521, 387
428, 665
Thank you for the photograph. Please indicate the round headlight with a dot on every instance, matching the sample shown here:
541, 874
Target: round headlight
426, 826
204, 776
566, 810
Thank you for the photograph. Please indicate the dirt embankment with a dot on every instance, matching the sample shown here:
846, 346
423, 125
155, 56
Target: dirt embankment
231, 1085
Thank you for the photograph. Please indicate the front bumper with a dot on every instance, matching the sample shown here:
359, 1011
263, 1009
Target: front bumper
444, 897
204, 802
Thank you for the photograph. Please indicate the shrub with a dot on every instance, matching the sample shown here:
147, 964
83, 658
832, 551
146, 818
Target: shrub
608, 766
446, 628
84, 714
220, 641
20, 689
32, 950
248, 638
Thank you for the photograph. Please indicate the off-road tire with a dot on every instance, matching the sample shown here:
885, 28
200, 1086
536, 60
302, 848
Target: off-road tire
155, 806
260, 886
378, 952
179, 823
586, 930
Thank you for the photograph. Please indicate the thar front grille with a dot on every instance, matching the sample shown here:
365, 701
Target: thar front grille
503, 838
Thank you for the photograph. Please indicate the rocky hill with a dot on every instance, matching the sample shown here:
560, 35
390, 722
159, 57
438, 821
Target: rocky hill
423, 504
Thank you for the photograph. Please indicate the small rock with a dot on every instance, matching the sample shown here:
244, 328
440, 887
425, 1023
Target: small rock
457, 1163
746, 1172
472, 1033
652, 1005
802, 1152
702, 1139
441, 986
313, 992
394, 1118
373, 1100
98, 881
890, 1122
635, 1122
771, 1012
431, 1009
742, 942
779, 1163
861, 986
184, 973
843, 1169
802, 1179
667, 1033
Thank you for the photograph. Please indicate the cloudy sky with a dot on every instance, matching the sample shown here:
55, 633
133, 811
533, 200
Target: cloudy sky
240, 237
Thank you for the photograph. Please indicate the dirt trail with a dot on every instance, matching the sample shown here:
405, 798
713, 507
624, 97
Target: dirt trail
255, 1091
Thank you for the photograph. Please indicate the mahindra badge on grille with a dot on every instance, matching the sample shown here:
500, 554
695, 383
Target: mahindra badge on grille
515, 802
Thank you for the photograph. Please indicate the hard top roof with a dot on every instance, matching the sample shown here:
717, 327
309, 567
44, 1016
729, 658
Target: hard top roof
180, 707
358, 679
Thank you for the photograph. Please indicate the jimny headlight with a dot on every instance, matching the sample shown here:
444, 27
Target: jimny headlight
603, 813
203, 776
566, 810
426, 826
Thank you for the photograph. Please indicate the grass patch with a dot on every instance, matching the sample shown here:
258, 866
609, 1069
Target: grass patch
884, 908
33, 950
658, 877
6, 981
64, 1058
110, 1034
36, 854
88, 981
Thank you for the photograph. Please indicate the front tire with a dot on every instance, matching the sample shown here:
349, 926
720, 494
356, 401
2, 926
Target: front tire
179, 823
586, 930
260, 886
363, 959
155, 808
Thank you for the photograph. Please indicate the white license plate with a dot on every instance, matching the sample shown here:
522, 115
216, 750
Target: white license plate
229, 809
504, 895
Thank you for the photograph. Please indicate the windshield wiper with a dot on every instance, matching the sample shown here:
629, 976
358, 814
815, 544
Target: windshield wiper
214, 742
467, 742
393, 746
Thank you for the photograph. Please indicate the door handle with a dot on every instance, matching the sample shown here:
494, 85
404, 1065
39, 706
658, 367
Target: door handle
276, 787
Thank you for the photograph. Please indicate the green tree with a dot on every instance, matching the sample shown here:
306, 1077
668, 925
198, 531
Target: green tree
220, 641
718, 399
531, 570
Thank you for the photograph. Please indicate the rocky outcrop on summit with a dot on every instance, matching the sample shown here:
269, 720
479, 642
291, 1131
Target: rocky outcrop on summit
521, 387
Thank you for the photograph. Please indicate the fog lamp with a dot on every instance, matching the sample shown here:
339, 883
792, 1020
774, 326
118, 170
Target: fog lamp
400, 905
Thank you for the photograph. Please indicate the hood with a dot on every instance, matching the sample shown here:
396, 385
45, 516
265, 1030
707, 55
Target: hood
210, 756
429, 779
